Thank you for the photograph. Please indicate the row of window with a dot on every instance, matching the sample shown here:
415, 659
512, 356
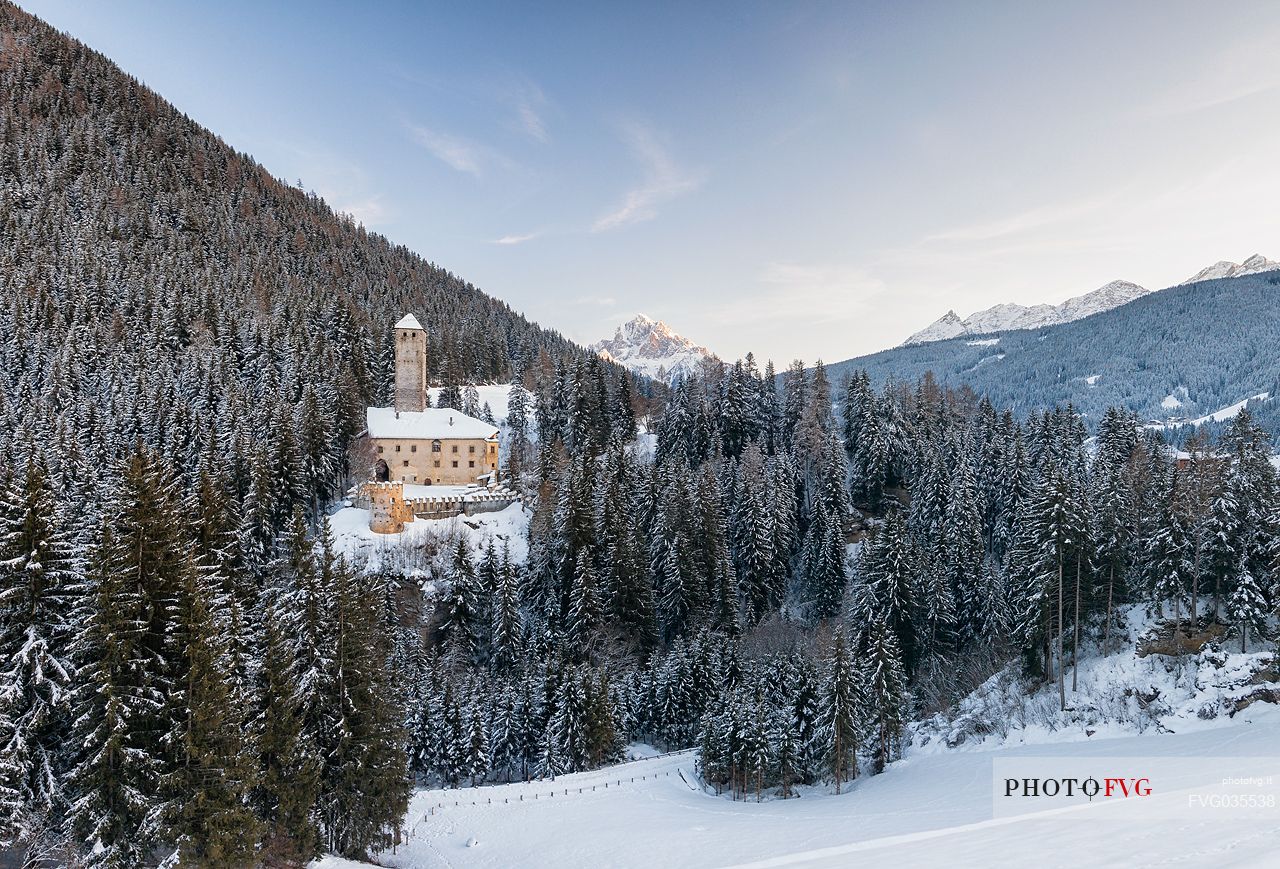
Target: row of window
435, 448
471, 464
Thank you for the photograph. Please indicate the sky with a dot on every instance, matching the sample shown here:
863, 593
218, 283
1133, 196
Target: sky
800, 180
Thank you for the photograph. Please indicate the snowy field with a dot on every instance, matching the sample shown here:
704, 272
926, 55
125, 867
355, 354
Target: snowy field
925, 811
932, 809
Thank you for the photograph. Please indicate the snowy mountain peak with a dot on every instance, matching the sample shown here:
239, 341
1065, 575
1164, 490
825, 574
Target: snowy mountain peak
1227, 269
1009, 316
949, 325
652, 348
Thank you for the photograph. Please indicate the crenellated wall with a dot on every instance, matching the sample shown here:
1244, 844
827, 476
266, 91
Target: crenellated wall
390, 510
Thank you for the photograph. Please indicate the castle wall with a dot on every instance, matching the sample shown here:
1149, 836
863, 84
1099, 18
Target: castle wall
458, 463
390, 511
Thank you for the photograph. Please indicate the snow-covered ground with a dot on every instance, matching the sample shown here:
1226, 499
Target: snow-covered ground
934, 808
1119, 694
928, 811
1231, 411
350, 532
1222, 414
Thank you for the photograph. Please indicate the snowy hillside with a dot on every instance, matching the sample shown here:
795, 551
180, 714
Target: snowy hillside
1130, 691
652, 348
1183, 355
924, 811
1213, 711
1009, 316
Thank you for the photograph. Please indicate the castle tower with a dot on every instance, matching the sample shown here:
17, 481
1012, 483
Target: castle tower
411, 365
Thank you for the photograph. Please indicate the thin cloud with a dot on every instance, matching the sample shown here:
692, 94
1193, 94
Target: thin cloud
454, 152
516, 239
344, 184
533, 123
1025, 221
793, 291
598, 301
529, 102
368, 212
663, 181
1247, 68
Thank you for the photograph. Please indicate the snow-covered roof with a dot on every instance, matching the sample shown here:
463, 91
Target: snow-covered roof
434, 422
408, 321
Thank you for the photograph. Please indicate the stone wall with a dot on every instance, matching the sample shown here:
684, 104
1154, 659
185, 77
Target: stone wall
390, 510
411, 460
411, 369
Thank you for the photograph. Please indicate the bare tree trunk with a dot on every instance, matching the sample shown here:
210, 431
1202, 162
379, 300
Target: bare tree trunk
1075, 640
1062, 684
1106, 628
839, 763
1195, 588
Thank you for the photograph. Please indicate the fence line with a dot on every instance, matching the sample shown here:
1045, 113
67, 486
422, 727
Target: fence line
617, 782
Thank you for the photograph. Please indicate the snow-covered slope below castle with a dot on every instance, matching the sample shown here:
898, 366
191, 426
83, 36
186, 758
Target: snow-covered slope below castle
924, 812
650, 347
1187, 722
1226, 269
1009, 316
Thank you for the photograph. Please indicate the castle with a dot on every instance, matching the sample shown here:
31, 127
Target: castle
416, 443
426, 462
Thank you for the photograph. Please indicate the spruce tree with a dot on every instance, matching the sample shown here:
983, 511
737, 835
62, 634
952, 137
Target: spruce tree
364, 784
461, 625
210, 820
884, 685
584, 605
505, 630
39, 581
287, 782
1246, 610
130, 697
842, 713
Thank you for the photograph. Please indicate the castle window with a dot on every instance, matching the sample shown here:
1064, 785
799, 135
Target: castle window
471, 464
471, 449
406, 463
437, 463
397, 448
455, 464
455, 448
435, 446
413, 448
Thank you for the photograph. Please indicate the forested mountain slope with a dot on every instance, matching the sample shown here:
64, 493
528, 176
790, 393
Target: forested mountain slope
156, 283
188, 671
1208, 344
